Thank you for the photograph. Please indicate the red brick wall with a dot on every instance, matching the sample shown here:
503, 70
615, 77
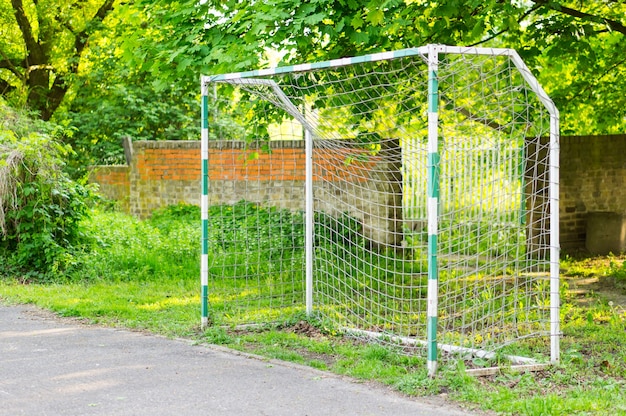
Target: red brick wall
114, 183
285, 164
255, 165
169, 164
180, 161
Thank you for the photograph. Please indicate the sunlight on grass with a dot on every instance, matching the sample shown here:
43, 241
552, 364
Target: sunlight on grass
157, 306
169, 302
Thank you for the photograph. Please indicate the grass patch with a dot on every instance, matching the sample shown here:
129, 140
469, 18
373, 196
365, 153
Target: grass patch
168, 308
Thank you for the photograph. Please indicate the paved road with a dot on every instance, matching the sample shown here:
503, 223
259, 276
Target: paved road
51, 366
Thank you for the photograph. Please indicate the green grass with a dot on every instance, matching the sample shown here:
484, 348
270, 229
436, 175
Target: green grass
144, 275
166, 307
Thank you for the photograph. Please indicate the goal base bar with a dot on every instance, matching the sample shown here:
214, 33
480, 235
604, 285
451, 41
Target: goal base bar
513, 359
490, 371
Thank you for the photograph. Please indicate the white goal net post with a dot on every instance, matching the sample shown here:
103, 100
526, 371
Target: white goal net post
445, 181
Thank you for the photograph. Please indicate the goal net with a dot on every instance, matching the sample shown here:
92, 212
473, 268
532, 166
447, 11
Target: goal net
407, 198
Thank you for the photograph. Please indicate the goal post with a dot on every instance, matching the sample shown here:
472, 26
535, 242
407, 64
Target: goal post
432, 207
417, 205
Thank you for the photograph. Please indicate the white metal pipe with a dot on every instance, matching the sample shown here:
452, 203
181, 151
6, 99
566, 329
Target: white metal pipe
308, 148
554, 239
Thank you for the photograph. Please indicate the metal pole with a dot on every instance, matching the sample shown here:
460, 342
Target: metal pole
433, 207
308, 193
204, 206
554, 239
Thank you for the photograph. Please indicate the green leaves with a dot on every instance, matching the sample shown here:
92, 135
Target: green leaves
572, 48
375, 17
357, 22
146, 54
247, 227
40, 207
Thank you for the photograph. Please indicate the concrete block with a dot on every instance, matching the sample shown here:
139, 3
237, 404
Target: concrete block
606, 233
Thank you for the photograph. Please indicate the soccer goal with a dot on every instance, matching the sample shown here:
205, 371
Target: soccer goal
408, 198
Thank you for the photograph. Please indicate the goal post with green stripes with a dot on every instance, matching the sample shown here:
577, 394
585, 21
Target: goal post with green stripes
421, 212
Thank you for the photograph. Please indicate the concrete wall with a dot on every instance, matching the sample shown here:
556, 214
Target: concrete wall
593, 179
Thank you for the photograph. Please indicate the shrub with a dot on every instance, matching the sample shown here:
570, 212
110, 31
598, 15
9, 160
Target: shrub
248, 227
40, 206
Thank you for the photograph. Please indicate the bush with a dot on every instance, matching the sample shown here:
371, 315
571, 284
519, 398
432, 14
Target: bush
248, 227
40, 206
128, 249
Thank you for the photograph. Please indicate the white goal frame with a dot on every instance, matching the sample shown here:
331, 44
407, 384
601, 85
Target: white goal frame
432, 52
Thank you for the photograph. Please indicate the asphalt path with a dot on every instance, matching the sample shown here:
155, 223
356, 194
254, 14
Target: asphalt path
54, 366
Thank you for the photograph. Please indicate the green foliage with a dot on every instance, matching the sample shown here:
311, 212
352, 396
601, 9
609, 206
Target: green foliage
345, 230
218, 336
617, 272
41, 48
40, 207
168, 218
108, 69
614, 274
572, 47
475, 237
247, 227
132, 68
110, 101
126, 249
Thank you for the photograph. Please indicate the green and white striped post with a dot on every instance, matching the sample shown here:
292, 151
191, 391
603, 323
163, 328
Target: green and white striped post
204, 206
433, 207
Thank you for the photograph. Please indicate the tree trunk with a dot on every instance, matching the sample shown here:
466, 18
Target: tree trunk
45, 83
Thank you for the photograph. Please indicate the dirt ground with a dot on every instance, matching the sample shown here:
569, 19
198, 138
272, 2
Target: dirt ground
587, 285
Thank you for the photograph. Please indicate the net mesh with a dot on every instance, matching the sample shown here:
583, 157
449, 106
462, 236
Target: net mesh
369, 124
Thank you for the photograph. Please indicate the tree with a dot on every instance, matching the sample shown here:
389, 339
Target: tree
109, 100
569, 45
43, 42
67, 61
572, 45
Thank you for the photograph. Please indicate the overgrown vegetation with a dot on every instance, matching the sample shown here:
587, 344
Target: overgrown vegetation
40, 206
144, 274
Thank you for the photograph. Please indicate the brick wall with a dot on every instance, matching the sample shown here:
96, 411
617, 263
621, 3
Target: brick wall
282, 161
114, 182
167, 172
593, 178
163, 173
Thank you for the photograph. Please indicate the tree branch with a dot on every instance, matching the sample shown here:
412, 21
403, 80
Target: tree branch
27, 31
80, 41
495, 35
612, 24
11, 64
